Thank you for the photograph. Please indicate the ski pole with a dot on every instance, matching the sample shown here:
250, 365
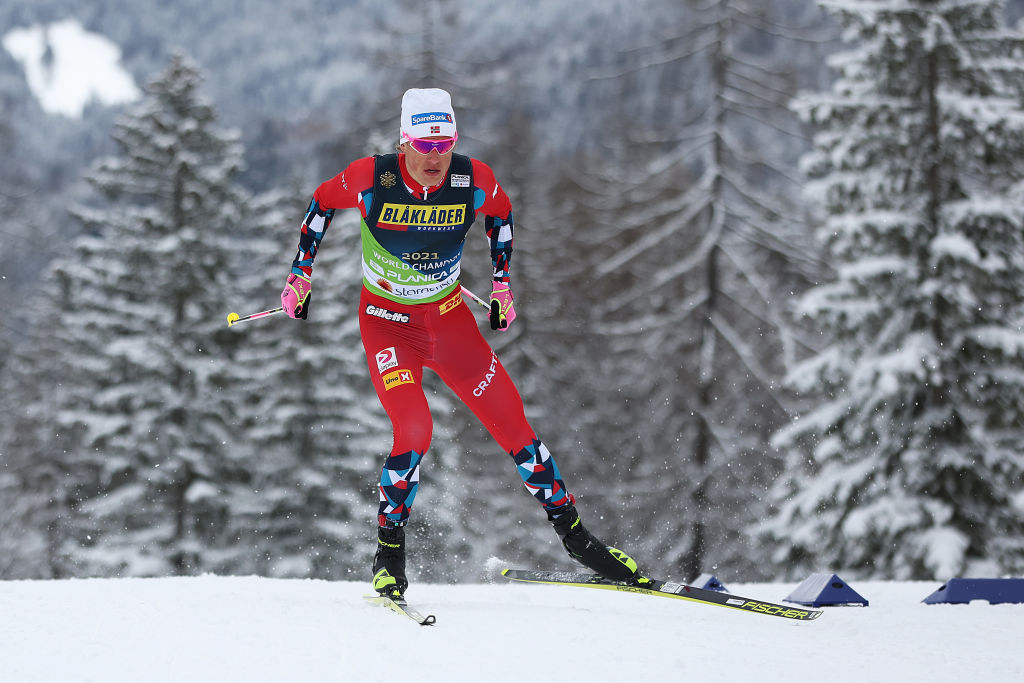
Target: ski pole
234, 318
475, 298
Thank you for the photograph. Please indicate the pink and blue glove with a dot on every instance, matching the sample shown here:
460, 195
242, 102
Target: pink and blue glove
503, 311
296, 296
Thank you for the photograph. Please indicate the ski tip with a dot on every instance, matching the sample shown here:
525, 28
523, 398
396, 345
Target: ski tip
504, 572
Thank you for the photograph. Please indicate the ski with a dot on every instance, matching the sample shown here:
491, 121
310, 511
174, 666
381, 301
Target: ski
667, 589
402, 607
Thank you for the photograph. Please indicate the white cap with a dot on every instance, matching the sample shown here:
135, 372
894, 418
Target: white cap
426, 112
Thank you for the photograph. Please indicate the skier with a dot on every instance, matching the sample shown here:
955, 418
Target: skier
417, 207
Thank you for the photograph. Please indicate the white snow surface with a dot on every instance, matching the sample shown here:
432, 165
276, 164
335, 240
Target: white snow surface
254, 629
82, 67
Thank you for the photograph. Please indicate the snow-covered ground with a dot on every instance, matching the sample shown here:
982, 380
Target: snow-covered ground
254, 629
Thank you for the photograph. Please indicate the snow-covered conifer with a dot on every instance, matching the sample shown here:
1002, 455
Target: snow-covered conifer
147, 406
910, 466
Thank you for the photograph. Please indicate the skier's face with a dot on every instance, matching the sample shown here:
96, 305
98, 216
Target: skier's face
427, 169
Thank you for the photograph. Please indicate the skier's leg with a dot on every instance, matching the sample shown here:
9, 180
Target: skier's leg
400, 390
467, 364
395, 359
403, 400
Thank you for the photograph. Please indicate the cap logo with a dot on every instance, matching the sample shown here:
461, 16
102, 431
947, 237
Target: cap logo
431, 117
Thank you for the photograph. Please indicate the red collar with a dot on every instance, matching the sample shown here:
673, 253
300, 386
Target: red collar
419, 190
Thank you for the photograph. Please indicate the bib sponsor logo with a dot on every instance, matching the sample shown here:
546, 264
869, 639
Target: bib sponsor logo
385, 314
443, 215
386, 359
488, 377
397, 378
431, 117
450, 304
460, 180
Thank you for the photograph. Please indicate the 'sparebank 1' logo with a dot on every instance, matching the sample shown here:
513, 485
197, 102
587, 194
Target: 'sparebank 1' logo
431, 117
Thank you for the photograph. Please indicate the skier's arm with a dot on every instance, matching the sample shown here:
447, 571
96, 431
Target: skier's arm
314, 226
490, 200
346, 190
494, 204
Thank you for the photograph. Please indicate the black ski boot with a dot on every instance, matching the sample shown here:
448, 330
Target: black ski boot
582, 546
389, 562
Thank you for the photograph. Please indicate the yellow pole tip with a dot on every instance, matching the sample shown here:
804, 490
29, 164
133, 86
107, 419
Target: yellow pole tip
232, 317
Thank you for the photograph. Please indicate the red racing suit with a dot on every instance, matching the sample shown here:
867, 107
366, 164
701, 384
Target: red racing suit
411, 312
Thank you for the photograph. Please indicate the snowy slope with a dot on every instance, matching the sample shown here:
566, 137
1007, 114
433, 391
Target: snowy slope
254, 629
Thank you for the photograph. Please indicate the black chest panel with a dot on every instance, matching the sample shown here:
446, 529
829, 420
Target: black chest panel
412, 248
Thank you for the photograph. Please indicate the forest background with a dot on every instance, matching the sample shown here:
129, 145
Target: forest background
677, 210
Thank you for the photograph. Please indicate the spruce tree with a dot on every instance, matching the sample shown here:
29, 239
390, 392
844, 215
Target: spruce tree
148, 353
911, 465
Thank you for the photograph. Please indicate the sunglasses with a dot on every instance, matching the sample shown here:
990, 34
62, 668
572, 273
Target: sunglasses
425, 146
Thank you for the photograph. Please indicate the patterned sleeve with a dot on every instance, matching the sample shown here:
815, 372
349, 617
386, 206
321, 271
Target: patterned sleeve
494, 204
314, 225
352, 188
